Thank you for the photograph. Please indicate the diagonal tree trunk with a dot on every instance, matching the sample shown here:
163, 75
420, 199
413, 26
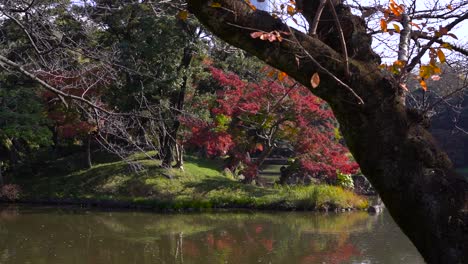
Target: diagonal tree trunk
391, 144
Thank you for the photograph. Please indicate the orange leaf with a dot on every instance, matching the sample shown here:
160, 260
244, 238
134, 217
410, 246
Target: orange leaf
271, 73
449, 7
436, 70
423, 85
315, 80
291, 10
282, 75
383, 25
251, 5
395, 10
256, 34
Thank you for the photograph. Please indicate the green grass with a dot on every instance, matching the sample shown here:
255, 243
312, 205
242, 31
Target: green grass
201, 185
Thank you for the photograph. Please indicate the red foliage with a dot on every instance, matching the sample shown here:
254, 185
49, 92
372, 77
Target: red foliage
204, 136
256, 109
10, 192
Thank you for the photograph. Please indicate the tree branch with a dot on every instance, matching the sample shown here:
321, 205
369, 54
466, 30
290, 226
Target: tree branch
423, 51
49, 87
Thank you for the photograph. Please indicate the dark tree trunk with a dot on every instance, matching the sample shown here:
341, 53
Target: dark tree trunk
177, 103
2, 181
396, 153
259, 162
89, 162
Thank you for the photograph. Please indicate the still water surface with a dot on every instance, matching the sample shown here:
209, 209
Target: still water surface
67, 235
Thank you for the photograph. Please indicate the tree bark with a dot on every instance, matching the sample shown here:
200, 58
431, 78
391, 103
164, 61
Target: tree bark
2, 181
177, 103
179, 156
414, 178
89, 162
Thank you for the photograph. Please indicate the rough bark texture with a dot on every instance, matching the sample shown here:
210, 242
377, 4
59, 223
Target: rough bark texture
391, 144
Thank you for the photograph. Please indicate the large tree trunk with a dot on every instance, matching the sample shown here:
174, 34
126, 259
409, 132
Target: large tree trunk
396, 153
177, 103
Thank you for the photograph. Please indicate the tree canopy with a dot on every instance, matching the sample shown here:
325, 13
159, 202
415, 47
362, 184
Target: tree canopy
125, 70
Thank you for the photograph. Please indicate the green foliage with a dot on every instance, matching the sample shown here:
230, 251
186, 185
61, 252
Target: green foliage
222, 122
344, 180
22, 115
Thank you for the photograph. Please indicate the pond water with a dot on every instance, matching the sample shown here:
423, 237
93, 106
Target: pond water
71, 235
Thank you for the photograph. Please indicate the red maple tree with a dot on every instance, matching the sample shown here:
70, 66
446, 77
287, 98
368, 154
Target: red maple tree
249, 120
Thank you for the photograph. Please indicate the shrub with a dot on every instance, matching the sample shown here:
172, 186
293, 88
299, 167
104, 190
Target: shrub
344, 180
10, 191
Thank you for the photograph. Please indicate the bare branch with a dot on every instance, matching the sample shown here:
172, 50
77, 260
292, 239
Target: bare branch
423, 51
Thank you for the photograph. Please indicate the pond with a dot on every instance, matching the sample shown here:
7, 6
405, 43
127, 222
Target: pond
73, 235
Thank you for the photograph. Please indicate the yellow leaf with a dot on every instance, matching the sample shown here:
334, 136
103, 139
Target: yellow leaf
383, 25
425, 72
441, 55
436, 70
182, 15
397, 28
315, 80
447, 46
423, 85
216, 5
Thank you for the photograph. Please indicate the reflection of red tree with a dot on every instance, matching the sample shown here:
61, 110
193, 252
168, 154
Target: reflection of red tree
258, 229
221, 243
333, 255
210, 239
268, 244
190, 248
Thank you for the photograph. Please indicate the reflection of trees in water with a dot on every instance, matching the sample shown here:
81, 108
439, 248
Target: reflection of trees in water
126, 237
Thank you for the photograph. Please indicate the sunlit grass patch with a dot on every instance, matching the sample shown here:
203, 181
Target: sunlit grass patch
202, 184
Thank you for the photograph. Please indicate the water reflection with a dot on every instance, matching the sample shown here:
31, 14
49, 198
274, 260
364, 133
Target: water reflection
50, 235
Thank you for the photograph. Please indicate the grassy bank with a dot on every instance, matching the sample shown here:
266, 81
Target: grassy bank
201, 185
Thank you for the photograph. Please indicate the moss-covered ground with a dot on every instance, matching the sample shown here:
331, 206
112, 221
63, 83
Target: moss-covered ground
202, 184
